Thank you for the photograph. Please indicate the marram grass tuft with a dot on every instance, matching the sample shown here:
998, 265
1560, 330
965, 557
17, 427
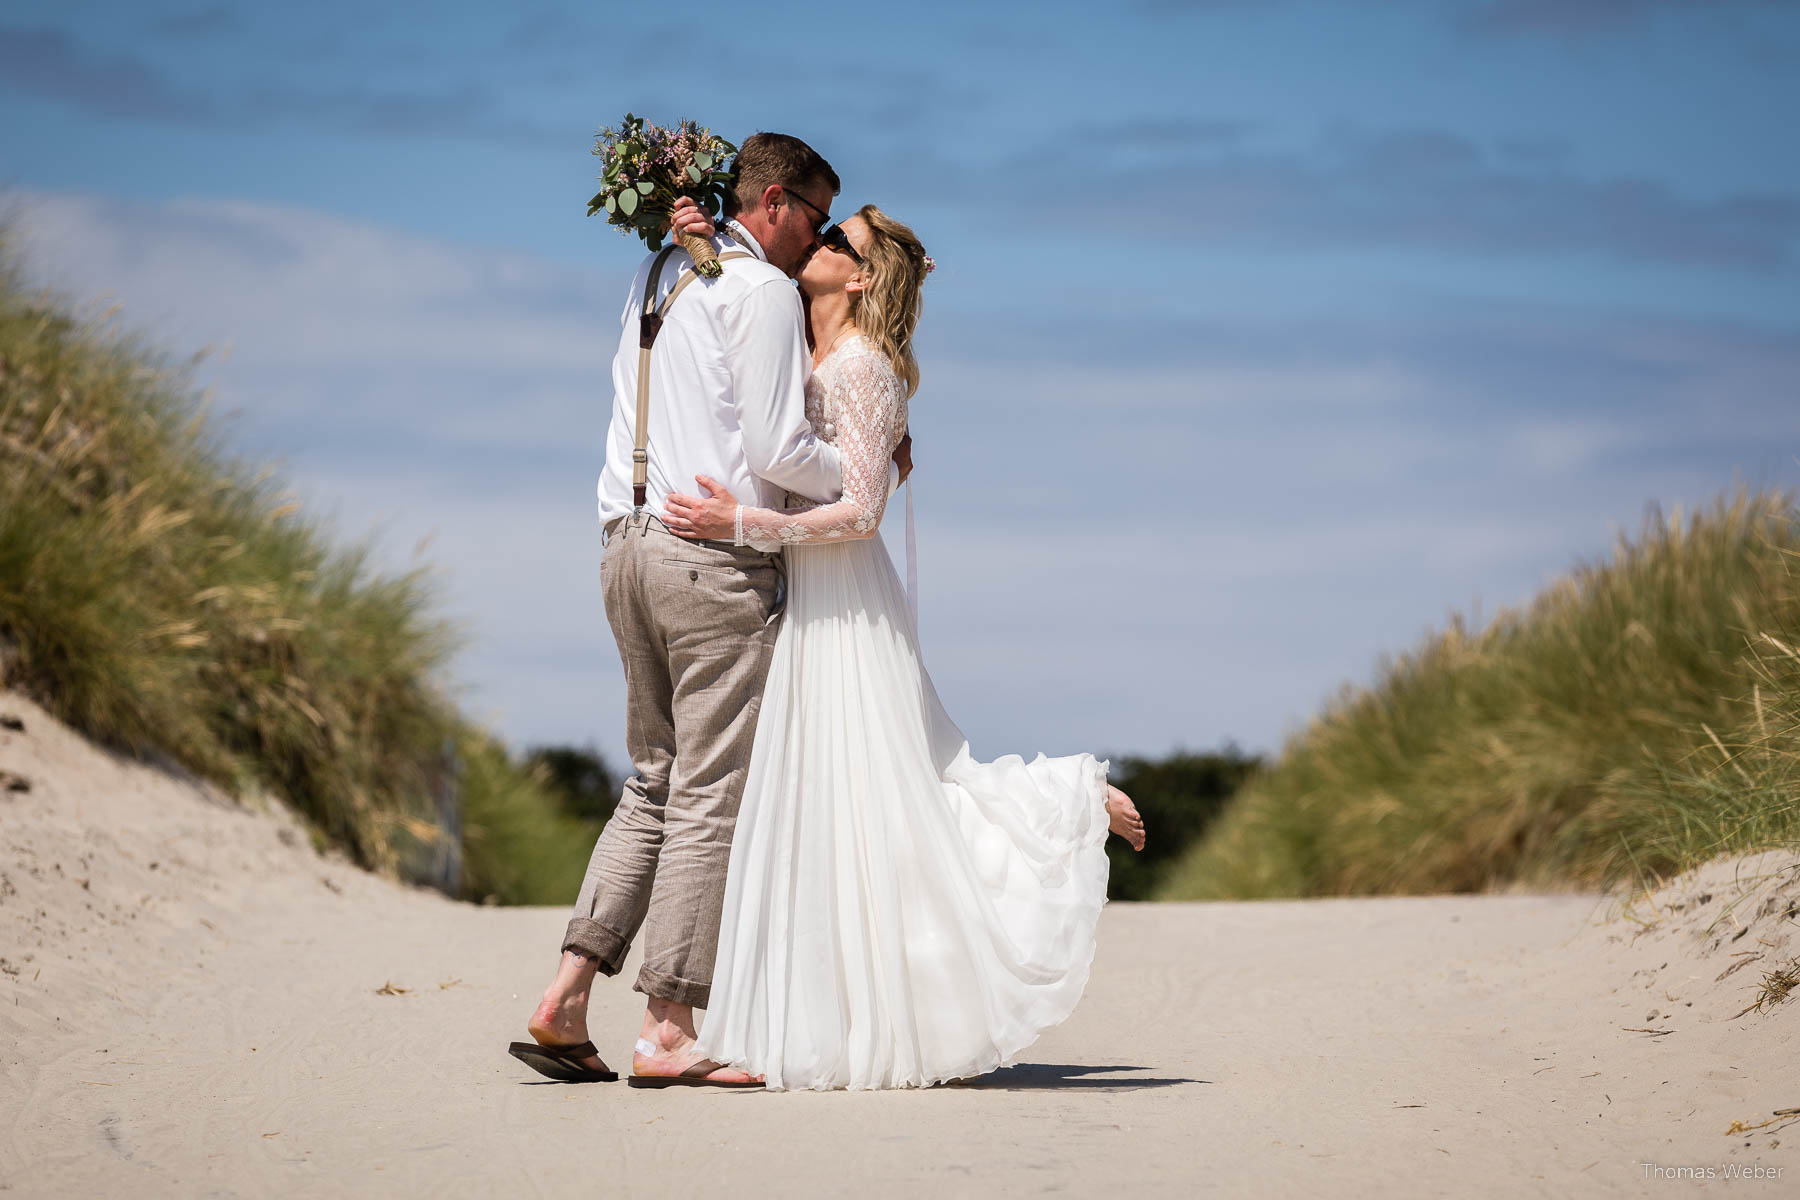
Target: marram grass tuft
169, 601
1639, 717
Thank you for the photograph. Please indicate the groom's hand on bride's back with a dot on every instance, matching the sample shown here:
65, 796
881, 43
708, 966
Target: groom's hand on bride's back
903, 457
712, 518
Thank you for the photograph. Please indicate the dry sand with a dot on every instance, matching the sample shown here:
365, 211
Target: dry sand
193, 1003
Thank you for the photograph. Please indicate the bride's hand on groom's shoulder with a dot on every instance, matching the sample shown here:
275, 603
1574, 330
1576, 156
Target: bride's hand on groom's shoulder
713, 518
689, 217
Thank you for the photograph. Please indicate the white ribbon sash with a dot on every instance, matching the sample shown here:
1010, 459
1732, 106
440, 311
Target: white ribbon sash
912, 561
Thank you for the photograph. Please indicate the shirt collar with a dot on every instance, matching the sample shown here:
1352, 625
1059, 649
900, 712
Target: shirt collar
737, 233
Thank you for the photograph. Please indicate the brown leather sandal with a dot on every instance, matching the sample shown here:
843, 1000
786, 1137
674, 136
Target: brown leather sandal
694, 1076
562, 1063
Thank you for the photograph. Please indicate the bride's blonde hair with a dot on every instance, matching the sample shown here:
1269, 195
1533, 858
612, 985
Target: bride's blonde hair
886, 311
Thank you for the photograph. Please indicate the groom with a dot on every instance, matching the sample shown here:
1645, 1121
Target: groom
695, 621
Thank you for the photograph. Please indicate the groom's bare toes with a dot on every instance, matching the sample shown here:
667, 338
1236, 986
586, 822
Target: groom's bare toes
659, 1065
724, 1074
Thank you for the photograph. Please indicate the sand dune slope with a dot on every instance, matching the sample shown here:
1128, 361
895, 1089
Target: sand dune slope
193, 1002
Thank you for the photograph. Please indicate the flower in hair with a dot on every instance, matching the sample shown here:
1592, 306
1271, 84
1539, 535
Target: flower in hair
930, 264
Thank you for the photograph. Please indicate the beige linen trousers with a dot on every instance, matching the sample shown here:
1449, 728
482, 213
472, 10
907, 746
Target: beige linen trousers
695, 623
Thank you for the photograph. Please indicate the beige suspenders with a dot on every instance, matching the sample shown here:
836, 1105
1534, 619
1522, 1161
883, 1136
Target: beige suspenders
650, 319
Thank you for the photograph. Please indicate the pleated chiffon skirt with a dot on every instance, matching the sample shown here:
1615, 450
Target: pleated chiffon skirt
896, 914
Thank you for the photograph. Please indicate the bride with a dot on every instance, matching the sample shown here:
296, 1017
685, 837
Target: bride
897, 914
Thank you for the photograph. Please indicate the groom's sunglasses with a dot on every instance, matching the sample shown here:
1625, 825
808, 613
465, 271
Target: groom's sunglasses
835, 239
824, 217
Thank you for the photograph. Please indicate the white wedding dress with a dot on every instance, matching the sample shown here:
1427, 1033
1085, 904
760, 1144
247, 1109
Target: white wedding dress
896, 914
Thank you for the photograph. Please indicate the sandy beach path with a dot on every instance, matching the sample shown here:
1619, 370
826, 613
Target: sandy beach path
195, 1003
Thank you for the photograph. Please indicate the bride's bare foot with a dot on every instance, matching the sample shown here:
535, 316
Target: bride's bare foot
1123, 817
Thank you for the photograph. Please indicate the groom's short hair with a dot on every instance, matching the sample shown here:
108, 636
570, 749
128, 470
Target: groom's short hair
775, 158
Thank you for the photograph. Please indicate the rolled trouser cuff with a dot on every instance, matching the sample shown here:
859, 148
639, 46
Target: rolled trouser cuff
672, 988
605, 946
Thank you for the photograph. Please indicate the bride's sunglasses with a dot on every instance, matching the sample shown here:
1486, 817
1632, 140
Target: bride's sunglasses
835, 239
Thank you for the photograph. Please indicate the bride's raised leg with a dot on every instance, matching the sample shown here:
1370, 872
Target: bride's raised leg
1122, 817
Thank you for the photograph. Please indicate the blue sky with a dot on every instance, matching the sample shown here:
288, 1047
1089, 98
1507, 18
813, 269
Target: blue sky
1265, 334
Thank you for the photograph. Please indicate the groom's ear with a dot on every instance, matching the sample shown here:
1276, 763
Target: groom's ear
771, 194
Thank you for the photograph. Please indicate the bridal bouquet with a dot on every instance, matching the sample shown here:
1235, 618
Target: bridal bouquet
648, 168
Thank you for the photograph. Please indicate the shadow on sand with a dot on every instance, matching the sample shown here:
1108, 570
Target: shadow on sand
1027, 1076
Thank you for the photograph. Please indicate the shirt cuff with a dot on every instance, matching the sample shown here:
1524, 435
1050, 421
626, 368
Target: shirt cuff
737, 526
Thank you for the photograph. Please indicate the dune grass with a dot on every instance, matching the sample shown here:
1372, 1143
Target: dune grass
170, 601
1639, 717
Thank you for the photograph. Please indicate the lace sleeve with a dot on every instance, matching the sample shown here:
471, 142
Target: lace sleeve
867, 402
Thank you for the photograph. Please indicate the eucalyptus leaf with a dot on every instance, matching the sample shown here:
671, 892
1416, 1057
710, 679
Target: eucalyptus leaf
628, 201
646, 187
694, 174
704, 161
612, 205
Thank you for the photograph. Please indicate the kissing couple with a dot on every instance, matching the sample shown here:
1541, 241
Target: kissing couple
813, 856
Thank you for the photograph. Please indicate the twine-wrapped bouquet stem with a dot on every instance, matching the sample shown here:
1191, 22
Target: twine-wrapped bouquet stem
706, 259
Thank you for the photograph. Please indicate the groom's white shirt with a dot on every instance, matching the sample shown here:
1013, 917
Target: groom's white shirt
727, 390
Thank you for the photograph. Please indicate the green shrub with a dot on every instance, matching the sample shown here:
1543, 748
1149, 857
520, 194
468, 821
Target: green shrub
579, 778
1178, 796
520, 841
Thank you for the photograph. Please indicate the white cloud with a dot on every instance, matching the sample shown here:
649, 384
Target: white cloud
296, 288
1123, 557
